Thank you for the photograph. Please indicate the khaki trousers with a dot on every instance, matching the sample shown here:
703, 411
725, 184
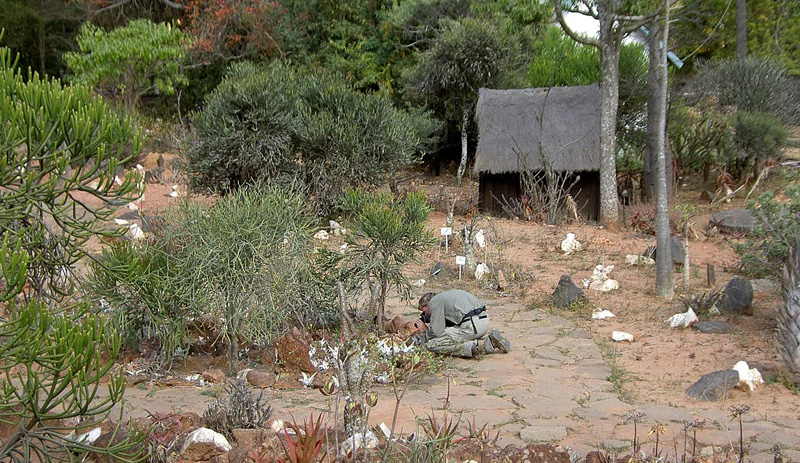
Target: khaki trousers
459, 340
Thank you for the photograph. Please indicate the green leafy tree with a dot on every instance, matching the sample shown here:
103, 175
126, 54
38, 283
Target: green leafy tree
130, 61
54, 142
289, 126
468, 54
387, 233
59, 152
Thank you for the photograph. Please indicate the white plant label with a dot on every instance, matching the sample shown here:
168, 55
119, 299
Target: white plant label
446, 231
461, 260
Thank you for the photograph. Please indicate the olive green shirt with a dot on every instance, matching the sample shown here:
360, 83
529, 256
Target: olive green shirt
450, 306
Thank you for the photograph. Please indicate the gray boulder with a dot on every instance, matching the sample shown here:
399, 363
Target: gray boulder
713, 386
737, 298
712, 327
440, 270
566, 292
676, 245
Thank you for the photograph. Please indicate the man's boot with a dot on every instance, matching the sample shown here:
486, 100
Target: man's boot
499, 343
479, 350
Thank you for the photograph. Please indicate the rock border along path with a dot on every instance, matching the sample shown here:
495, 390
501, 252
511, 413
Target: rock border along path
553, 387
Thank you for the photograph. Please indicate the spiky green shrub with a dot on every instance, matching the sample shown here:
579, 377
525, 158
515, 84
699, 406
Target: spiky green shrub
146, 300
293, 126
59, 152
248, 260
55, 142
387, 233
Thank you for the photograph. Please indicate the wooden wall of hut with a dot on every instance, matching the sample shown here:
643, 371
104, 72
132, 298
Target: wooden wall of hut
495, 187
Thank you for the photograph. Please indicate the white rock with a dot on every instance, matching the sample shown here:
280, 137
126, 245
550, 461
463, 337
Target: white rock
133, 206
117, 180
321, 235
90, 437
634, 259
204, 444
387, 433
749, 377
419, 283
683, 320
620, 336
174, 194
276, 426
601, 314
481, 271
604, 285
480, 238
357, 441
136, 232
343, 248
570, 244
306, 380
121, 222
334, 225
139, 167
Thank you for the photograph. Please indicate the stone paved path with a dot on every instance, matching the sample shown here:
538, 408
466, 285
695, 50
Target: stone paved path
554, 386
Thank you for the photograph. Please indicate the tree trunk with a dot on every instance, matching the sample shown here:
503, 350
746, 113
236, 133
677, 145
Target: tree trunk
609, 86
464, 125
382, 302
741, 29
789, 314
664, 267
654, 100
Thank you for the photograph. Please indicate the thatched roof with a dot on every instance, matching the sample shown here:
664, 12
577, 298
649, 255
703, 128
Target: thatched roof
510, 132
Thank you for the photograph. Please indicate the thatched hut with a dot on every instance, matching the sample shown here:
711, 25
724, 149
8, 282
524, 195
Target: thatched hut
516, 128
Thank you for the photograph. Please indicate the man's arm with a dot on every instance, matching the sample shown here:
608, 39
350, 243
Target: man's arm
437, 324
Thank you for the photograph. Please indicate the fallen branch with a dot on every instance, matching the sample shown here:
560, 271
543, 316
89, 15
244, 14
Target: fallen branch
761, 176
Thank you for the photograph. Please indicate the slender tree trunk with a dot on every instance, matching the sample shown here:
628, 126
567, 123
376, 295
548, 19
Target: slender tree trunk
464, 125
654, 100
609, 57
741, 29
664, 268
382, 302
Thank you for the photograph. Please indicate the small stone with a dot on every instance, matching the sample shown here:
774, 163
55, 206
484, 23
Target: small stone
260, 379
357, 441
621, 336
737, 297
566, 293
441, 270
321, 235
215, 376
713, 386
135, 231
204, 444
634, 259
570, 244
676, 246
707, 195
501, 280
542, 433
712, 327
481, 270
763, 285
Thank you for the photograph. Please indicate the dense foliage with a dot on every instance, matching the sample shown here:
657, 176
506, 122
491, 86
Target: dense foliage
130, 61
308, 128
59, 151
55, 142
768, 244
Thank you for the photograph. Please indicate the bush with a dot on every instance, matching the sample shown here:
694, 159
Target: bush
768, 244
298, 126
753, 85
700, 139
135, 281
758, 136
249, 261
240, 409
59, 151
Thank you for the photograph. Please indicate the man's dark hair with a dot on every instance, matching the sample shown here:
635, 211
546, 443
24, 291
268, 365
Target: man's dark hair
425, 299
